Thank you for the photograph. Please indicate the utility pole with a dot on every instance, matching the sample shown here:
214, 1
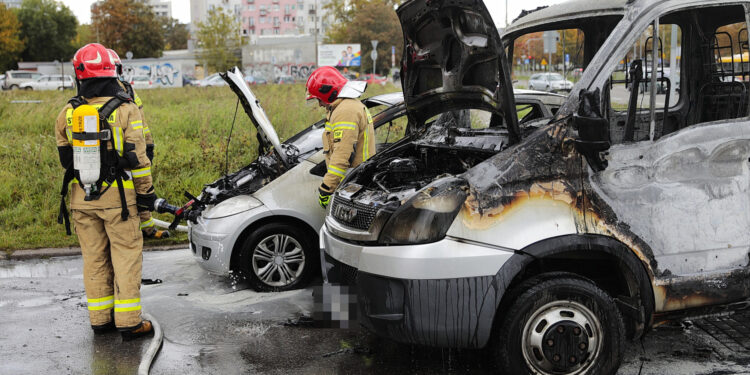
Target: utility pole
316, 32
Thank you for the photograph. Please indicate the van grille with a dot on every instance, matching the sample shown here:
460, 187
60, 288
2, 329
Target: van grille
365, 214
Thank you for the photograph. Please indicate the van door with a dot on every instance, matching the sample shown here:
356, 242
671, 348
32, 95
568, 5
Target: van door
678, 174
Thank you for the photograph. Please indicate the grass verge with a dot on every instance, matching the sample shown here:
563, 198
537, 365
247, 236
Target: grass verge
190, 127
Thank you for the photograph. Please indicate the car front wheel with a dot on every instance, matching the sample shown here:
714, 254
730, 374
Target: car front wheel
278, 257
559, 325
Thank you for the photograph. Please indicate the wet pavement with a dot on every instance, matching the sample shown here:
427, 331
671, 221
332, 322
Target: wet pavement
213, 326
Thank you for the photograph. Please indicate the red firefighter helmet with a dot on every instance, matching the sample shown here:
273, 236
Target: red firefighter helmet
116, 59
325, 84
94, 61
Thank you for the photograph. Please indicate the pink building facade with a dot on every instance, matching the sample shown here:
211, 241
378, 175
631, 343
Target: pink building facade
271, 17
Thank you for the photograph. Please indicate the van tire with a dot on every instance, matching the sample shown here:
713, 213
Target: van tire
294, 238
571, 302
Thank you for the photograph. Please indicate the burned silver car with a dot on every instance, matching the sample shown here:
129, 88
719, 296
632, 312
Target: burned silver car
555, 243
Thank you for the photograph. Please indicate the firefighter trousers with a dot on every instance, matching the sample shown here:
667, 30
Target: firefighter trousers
112, 261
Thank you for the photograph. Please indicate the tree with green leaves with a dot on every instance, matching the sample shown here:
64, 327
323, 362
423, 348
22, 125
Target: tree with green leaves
11, 44
176, 34
48, 28
360, 21
84, 35
128, 25
219, 41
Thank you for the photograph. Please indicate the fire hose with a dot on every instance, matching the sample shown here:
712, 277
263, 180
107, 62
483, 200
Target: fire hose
145, 366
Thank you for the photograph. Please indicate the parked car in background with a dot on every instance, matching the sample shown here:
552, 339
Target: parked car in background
50, 82
14, 78
255, 80
212, 80
141, 82
285, 79
188, 80
549, 82
373, 79
2, 81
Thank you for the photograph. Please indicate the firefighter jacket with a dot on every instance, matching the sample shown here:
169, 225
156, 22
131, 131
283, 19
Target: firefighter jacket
130, 143
137, 100
348, 140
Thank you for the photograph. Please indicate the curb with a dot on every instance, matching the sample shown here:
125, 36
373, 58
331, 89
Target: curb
71, 251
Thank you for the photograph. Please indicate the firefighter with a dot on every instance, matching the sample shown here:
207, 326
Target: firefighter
147, 222
104, 212
349, 137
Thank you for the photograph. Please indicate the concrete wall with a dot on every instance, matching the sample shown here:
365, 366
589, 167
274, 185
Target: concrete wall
272, 56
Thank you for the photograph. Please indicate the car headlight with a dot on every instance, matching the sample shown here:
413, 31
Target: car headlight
232, 206
427, 215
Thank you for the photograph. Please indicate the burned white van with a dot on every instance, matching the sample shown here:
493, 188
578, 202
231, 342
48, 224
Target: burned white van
554, 242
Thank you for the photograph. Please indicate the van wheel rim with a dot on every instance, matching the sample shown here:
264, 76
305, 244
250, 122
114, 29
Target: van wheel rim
561, 337
278, 260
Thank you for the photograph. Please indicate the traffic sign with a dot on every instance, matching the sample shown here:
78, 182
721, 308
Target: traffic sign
544, 62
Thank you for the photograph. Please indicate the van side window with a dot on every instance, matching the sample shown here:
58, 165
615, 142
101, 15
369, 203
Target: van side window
702, 69
630, 86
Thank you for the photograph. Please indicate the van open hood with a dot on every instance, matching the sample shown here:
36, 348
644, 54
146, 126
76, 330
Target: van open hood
266, 133
454, 59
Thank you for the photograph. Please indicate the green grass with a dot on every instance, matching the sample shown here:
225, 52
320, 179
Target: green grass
190, 128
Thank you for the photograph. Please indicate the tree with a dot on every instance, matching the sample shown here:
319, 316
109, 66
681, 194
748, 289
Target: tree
360, 21
48, 28
219, 41
176, 34
11, 44
84, 35
128, 25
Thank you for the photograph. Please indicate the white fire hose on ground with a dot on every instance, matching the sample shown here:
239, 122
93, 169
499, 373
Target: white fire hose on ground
153, 348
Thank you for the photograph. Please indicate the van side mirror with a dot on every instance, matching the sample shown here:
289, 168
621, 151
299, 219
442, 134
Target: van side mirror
593, 130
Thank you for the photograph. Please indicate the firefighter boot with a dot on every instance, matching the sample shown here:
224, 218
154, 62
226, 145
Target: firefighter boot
143, 328
106, 327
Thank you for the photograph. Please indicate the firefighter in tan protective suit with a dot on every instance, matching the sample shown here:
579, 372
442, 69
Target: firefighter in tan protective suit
105, 211
148, 226
349, 137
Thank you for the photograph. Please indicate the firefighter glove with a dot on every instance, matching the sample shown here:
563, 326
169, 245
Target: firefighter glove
324, 198
145, 202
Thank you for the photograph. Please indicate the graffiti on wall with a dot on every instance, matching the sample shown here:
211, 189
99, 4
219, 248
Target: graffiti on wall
270, 71
159, 74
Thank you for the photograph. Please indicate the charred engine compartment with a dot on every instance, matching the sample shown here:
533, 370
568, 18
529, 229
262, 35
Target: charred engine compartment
245, 181
419, 167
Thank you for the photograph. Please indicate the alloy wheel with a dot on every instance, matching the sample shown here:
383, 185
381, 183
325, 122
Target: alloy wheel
278, 260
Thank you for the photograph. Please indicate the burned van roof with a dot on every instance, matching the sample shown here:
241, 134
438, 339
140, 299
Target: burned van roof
569, 10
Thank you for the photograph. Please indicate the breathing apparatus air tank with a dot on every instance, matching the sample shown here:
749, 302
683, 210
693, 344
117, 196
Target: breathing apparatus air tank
86, 153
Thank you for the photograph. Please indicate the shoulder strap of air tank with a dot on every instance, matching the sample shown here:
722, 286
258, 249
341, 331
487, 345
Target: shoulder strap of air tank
129, 89
104, 112
77, 101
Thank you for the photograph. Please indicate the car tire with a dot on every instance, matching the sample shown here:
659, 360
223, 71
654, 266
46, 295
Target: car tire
28, 88
558, 323
14, 87
259, 251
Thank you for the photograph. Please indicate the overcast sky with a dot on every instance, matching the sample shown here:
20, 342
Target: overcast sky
181, 9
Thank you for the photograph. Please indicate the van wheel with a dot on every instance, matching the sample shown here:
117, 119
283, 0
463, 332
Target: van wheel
278, 257
14, 87
560, 325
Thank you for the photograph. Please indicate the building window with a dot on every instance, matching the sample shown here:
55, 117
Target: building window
262, 19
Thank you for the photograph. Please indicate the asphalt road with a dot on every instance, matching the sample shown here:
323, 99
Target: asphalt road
215, 326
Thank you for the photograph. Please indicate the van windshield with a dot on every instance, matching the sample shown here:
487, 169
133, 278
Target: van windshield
564, 46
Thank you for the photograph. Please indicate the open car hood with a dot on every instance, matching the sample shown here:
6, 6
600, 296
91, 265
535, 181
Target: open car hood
454, 59
266, 133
